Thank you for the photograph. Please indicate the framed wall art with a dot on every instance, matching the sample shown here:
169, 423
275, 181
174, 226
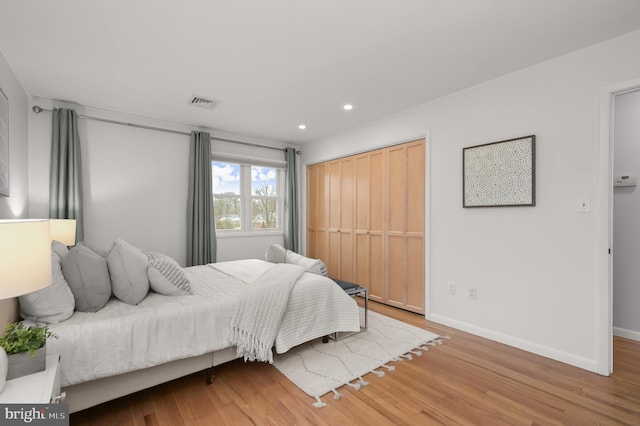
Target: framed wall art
4, 144
500, 174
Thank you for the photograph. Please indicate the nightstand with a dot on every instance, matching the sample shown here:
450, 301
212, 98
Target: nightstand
42, 387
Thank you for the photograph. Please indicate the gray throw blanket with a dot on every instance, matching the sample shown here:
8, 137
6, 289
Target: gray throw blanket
257, 315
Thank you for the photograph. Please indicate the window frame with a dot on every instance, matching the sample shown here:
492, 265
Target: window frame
246, 199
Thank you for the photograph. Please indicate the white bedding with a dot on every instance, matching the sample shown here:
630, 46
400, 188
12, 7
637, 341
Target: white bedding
121, 338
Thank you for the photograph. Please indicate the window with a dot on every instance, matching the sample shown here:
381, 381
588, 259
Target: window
247, 197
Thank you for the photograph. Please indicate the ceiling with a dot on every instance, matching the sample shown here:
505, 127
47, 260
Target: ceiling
276, 64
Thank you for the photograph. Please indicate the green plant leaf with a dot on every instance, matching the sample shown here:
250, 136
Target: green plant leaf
20, 338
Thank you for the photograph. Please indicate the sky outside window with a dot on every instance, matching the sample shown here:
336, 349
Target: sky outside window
263, 178
226, 178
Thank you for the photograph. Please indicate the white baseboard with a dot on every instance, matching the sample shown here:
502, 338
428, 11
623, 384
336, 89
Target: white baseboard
629, 334
555, 354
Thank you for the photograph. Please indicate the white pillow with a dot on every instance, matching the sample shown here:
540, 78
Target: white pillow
52, 304
128, 270
166, 276
315, 266
276, 254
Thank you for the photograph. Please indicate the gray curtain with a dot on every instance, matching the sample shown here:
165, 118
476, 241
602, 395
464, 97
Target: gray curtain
291, 221
201, 230
65, 187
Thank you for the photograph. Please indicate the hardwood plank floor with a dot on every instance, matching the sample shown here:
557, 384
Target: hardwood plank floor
468, 380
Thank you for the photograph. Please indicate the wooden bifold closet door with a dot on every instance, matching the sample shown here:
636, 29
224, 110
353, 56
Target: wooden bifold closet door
365, 220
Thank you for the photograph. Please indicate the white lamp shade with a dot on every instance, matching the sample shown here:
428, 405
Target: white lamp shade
63, 230
25, 256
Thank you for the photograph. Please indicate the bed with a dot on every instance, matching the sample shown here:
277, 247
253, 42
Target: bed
123, 348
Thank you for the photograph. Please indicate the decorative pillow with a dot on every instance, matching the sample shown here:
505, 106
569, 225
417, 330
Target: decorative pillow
315, 266
87, 274
128, 270
59, 248
166, 276
52, 304
96, 249
276, 254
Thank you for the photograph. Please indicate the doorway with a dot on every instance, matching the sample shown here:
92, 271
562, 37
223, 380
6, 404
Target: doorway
626, 211
605, 243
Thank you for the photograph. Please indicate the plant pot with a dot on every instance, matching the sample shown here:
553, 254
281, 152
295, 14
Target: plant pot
24, 363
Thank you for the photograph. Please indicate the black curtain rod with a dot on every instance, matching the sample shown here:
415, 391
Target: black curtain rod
37, 109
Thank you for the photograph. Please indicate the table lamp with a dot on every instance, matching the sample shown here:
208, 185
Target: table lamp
63, 230
25, 263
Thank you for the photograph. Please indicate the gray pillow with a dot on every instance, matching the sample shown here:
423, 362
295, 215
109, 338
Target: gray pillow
276, 254
166, 276
128, 270
60, 248
88, 278
52, 304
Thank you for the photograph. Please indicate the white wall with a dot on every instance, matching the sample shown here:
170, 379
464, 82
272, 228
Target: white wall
17, 205
626, 218
534, 267
135, 182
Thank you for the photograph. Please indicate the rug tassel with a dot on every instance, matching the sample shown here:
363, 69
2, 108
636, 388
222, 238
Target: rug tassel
446, 337
425, 348
397, 359
416, 353
336, 394
378, 373
389, 367
318, 403
407, 356
363, 382
356, 385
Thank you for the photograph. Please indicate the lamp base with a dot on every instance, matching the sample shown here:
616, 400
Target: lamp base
4, 363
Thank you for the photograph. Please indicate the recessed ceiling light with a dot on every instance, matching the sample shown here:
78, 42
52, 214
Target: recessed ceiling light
302, 126
348, 107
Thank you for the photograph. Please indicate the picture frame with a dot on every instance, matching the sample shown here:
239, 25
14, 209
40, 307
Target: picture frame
4, 145
500, 174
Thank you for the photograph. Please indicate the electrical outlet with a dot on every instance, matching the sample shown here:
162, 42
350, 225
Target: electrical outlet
473, 293
584, 205
452, 288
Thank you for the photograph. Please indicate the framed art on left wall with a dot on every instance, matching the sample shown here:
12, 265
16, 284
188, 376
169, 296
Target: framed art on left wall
4, 144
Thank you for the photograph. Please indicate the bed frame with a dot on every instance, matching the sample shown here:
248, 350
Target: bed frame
94, 392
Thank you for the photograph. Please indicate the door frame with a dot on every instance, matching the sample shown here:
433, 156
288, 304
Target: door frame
604, 257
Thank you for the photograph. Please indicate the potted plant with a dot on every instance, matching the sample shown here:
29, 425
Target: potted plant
25, 348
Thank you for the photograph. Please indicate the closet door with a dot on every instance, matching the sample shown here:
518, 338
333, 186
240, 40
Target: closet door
415, 269
346, 219
396, 195
316, 211
404, 236
369, 222
340, 219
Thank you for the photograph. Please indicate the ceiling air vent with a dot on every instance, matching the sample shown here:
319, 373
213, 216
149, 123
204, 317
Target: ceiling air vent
202, 102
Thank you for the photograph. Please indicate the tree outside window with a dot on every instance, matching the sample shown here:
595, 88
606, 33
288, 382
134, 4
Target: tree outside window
264, 197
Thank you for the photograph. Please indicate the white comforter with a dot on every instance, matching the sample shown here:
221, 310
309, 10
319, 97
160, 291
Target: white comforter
121, 338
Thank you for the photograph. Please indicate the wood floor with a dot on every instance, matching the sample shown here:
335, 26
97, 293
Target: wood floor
467, 380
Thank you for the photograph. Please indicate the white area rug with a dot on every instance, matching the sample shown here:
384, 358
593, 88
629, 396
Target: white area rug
319, 368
